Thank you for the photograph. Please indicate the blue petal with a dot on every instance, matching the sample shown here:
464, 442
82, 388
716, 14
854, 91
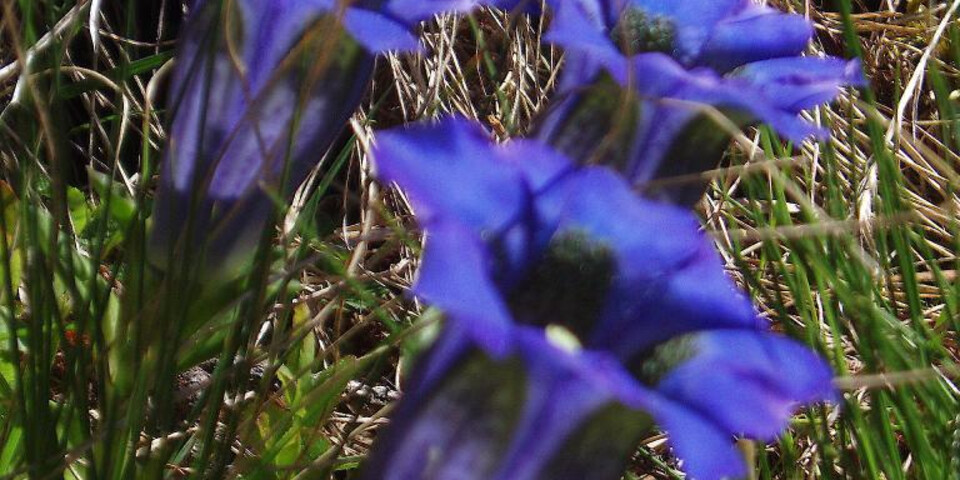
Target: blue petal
799, 83
691, 13
449, 170
456, 276
706, 450
660, 128
476, 201
231, 136
271, 29
530, 7
603, 372
458, 426
656, 237
694, 21
669, 279
415, 11
384, 26
580, 26
579, 69
503, 419
379, 33
757, 33
565, 389
542, 168
540, 165
702, 294
748, 382
670, 81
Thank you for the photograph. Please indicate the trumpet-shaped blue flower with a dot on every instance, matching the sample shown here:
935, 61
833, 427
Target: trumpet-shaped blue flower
261, 89
593, 307
673, 64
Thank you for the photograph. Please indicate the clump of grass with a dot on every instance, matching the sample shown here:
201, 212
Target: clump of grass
849, 246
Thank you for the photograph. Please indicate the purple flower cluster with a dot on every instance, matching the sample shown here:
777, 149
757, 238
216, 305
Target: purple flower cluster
261, 90
579, 314
647, 73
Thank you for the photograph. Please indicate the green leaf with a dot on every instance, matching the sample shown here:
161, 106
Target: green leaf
79, 209
12, 450
122, 208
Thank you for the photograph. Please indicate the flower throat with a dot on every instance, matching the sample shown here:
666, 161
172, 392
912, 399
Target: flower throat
638, 32
568, 286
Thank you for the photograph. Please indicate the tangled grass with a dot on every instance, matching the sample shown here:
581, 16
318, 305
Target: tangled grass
850, 246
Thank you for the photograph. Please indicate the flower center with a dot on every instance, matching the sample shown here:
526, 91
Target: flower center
638, 32
568, 286
651, 366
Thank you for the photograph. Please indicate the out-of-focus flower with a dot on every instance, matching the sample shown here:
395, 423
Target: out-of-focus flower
261, 89
649, 74
540, 413
587, 307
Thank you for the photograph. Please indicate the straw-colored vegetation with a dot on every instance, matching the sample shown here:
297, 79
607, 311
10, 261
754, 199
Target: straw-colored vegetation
850, 246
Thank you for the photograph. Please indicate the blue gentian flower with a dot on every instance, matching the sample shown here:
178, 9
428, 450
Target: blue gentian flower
594, 309
261, 89
641, 72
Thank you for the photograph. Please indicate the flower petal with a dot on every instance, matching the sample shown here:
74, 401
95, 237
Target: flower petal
579, 25
448, 172
693, 21
686, 89
522, 417
757, 33
414, 11
707, 451
379, 33
748, 382
456, 276
458, 426
232, 138
798, 83
669, 279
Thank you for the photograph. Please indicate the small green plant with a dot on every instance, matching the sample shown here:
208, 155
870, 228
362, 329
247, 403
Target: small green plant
126, 351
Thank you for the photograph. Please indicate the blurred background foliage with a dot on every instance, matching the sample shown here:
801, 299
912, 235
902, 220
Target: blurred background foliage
849, 245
